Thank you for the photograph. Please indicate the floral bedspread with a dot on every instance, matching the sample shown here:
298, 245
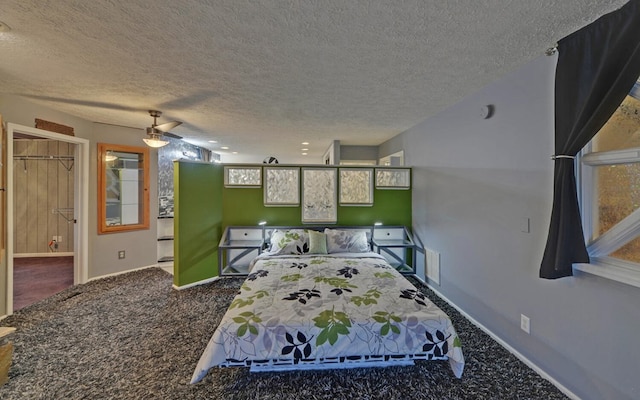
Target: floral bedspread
311, 307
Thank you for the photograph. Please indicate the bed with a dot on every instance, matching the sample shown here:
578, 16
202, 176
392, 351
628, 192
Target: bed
303, 305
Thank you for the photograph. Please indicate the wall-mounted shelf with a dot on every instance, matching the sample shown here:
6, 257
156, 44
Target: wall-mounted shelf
165, 240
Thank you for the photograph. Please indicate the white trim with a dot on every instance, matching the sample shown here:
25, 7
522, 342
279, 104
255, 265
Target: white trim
57, 254
620, 234
198, 283
190, 285
507, 346
81, 204
610, 268
611, 157
122, 272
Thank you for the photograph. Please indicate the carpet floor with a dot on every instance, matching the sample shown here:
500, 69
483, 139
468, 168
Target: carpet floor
132, 336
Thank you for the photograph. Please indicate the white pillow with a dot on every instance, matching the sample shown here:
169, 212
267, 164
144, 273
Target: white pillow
351, 241
292, 241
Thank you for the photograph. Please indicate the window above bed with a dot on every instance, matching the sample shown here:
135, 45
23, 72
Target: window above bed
356, 186
281, 186
242, 177
398, 178
319, 195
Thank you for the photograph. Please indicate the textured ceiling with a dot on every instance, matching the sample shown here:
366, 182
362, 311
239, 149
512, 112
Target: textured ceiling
262, 76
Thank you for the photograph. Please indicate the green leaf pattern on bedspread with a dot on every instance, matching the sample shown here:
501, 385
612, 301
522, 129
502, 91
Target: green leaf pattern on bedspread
332, 323
332, 307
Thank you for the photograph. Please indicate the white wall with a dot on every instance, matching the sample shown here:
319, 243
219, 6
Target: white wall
140, 246
475, 183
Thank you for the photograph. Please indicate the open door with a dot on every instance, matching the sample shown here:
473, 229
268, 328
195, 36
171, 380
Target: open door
80, 209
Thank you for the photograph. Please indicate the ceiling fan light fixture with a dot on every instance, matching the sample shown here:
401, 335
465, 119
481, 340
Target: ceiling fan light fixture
155, 142
155, 131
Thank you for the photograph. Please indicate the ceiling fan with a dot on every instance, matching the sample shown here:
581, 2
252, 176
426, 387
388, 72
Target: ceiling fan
155, 132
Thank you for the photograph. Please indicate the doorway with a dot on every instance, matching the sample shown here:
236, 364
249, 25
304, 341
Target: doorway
43, 190
76, 216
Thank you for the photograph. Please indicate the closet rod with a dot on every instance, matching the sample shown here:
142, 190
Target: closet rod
43, 157
61, 159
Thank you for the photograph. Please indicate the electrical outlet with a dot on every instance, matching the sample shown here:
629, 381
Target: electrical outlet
525, 323
120, 254
54, 239
59, 239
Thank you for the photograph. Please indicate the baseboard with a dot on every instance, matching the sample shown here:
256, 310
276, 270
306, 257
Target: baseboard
121, 272
203, 282
56, 254
504, 344
190, 285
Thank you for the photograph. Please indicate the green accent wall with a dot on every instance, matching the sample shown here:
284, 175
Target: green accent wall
203, 207
245, 207
197, 220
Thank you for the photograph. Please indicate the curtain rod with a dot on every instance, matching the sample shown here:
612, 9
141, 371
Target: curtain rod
551, 50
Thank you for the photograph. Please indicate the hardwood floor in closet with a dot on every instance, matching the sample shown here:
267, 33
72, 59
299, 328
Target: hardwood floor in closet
36, 278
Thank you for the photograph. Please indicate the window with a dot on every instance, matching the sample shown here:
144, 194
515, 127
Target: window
609, 177
243, 177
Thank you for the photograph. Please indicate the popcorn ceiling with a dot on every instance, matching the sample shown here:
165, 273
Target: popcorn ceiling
263, 76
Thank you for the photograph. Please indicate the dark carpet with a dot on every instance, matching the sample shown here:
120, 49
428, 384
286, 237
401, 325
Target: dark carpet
133, 337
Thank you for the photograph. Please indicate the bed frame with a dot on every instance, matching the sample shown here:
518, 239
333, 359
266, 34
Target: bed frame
364, 361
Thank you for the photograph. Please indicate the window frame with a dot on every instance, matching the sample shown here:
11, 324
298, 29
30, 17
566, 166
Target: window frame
600, 248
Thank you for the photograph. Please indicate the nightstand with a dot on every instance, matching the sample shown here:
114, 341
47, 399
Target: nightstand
238, 246
396, 245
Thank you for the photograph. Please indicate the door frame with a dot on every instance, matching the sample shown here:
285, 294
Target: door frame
80, 204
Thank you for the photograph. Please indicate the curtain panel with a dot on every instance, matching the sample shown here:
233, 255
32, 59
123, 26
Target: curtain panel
597, 67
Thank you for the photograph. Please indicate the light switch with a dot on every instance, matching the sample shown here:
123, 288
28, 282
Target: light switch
525, 225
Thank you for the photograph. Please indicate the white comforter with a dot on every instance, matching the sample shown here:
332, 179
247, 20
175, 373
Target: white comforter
314, 307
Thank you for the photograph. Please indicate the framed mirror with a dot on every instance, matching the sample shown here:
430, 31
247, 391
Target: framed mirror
123, 188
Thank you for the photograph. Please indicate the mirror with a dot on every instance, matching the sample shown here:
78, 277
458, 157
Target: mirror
123, 188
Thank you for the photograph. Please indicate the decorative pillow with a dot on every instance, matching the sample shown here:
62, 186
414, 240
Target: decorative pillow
346, 241
292, 241
317, 242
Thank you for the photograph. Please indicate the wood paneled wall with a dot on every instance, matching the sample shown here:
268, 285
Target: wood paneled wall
44, 193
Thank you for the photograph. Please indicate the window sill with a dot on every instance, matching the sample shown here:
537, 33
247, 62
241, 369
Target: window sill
610, 269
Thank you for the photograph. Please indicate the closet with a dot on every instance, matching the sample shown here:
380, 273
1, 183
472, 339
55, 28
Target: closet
43, 172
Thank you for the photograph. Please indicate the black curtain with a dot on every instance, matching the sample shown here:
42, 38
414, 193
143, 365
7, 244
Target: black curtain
597, 67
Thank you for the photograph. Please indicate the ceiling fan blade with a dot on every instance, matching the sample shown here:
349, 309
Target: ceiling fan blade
171, 135
167, 126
